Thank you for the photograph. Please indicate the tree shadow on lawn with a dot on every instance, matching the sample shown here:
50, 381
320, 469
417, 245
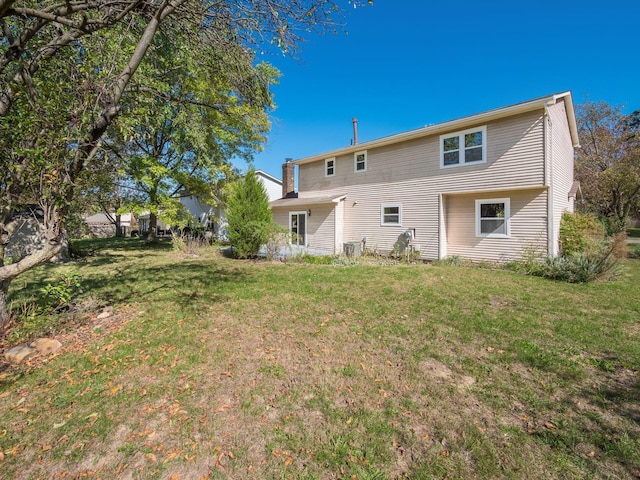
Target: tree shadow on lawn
179, 283
97, 246
605, 417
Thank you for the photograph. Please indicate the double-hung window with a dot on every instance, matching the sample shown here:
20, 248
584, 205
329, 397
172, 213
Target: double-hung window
329, 167
463, 148
391, 214
492, 217
360, 161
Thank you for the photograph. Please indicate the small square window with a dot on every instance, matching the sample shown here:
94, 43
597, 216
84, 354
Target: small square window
391, 214
360, 159
329, 167
492, 217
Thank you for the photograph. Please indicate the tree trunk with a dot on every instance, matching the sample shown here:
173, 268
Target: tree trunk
4, 312
63, 255
118, 226
153, 227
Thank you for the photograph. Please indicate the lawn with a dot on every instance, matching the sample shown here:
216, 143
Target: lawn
219, 368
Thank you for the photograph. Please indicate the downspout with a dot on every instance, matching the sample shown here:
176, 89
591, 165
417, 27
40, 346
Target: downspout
551, 244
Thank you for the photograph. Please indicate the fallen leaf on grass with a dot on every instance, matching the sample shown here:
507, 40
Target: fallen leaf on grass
222, 408
550, 426
591, 454
288, 461
114, 390
151, 457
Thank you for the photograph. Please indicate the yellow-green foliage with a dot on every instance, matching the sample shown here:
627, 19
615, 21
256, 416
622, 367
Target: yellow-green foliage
580, 233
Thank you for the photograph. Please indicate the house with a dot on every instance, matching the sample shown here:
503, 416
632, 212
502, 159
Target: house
484, 187
214, 218
103, 225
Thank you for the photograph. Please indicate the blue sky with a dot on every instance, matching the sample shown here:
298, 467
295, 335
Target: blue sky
408, 63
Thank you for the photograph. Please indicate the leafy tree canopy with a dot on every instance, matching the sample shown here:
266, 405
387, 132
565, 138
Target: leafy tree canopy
67, 72
608, 162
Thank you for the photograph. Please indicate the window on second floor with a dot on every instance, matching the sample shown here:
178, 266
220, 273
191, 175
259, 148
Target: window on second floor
329, 167
360, 161
462, 148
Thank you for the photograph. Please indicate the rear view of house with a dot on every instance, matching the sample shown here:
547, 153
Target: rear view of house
484, 187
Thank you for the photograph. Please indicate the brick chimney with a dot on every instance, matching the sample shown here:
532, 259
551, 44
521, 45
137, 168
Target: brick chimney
288, 179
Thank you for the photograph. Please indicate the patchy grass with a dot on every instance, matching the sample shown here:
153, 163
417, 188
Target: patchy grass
218, 368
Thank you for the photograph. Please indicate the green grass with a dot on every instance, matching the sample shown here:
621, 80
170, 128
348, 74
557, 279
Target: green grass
633, 232
218, 368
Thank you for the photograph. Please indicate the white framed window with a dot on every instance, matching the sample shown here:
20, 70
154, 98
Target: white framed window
391, 214
360, 161
492, 217
330, 167
463, 148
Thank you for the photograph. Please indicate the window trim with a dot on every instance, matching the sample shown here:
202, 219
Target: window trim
333, 166
355, 161
460, 134
390, 205
507, 217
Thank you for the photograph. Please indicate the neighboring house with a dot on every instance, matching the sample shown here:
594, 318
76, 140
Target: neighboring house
214, 218
102, 225
484, 187
144, 219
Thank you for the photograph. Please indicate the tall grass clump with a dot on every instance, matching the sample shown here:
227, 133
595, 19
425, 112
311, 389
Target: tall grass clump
586, 253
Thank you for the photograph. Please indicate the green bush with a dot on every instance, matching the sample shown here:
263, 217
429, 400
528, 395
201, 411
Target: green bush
580, 233
249, 216
59, 295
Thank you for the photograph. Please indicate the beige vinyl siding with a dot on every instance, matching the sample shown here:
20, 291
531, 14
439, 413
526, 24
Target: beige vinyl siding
527, 225
321, 227
514, 159
281, 216
561, 155
320, 224
409, 173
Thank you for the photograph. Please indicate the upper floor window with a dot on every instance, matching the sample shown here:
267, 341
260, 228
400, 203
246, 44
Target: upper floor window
391, 214
461, 148
329, 167
360, 161
492, 217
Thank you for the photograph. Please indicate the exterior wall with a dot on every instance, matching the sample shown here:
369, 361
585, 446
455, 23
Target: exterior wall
27, 238
409, 173
527, 224
321, 225
274, 189
561, 167
200, 211
514, 151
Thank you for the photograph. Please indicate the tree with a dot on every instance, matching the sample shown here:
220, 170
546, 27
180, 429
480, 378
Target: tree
248, 216
65, 69
181, 134
608, 162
